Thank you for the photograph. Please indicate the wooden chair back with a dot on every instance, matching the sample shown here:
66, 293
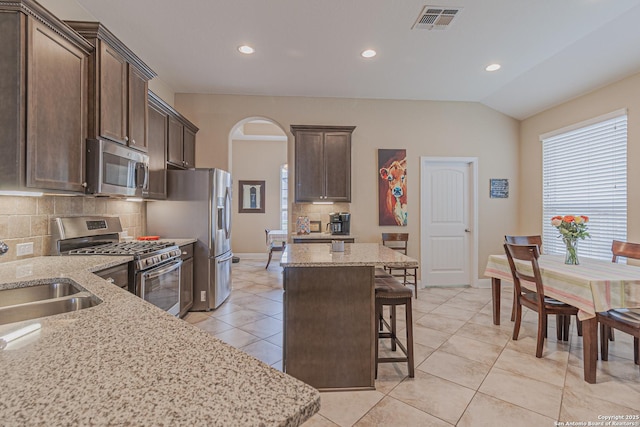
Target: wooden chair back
525, 240
624, 249
397, 241
529, 253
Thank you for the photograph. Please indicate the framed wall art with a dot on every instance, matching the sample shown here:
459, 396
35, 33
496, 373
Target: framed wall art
499, 188
315, 226
392, 187
251, 198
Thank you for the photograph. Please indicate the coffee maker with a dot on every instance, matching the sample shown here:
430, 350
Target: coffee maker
339, 222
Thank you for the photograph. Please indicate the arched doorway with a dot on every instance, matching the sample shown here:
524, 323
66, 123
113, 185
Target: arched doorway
258, 152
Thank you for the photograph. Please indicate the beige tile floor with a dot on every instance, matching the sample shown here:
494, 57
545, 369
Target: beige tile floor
468, 371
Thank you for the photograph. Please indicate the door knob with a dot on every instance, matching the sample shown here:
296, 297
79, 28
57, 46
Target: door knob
467, 230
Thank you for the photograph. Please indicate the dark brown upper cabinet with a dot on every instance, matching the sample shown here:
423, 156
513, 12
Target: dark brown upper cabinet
157, 142
172, 141
181, 152
43, 100
323, 163
118, 84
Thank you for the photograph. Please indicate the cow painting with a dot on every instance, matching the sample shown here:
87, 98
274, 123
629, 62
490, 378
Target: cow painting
392, 195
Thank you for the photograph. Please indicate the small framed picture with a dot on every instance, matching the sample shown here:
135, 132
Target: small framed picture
499, 188
251, 198
315, 226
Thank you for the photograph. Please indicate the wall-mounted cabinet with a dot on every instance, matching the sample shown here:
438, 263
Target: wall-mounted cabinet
172, 142
182, 142
157, 147
323, 163
118, 83
43, 100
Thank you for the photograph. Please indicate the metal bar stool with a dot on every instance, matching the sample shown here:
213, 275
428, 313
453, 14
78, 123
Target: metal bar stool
390, 292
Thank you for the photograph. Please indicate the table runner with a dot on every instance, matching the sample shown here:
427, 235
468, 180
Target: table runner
593, 286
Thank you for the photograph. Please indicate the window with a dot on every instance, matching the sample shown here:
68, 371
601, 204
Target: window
584, 172
284, 197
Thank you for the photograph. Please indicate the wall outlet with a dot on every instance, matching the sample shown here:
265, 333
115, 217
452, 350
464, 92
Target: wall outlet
203, 296
24, 249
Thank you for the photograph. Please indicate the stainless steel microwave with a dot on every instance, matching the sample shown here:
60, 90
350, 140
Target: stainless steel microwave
116, 170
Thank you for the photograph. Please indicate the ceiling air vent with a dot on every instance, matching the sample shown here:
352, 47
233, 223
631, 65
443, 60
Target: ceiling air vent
436, 18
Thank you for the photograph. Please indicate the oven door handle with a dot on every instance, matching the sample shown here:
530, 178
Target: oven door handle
156, 273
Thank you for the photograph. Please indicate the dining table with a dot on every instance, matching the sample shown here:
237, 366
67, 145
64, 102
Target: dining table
276, 237
593, 286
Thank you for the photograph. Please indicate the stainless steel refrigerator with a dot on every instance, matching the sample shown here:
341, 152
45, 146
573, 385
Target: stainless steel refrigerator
199, 206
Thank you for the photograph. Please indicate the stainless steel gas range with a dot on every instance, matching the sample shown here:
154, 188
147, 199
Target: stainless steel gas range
154, 271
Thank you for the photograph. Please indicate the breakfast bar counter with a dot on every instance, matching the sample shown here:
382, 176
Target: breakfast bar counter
329, 325
127, 362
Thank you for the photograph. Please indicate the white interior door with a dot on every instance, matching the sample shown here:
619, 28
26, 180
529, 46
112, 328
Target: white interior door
447, 223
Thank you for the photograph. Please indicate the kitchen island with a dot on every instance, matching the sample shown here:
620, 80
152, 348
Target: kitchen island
329, 325
127, 362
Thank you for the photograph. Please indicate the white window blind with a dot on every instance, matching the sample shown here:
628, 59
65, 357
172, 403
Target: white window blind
584, 172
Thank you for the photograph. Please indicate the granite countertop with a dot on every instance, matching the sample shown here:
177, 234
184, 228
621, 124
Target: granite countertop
127, 362
355, 254
179, 242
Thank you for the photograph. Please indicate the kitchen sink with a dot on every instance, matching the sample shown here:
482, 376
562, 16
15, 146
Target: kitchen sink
45, 299
54, 289
18, 313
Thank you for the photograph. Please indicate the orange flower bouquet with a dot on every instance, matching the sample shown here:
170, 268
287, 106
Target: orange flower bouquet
571, 228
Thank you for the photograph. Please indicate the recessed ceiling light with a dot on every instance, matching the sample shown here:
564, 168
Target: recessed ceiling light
247, 50
493, 67
369, 53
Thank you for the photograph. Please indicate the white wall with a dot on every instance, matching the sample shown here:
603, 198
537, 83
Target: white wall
256, 161
424, 128
70, 10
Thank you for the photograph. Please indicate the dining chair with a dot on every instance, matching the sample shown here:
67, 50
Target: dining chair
536, 301
625, 320
522, 240
273, 246
399, 242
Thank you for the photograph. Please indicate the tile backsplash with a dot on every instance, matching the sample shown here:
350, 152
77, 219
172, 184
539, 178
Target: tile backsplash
316, 213
28, 219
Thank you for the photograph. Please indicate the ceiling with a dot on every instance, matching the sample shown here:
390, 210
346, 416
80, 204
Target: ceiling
550, 50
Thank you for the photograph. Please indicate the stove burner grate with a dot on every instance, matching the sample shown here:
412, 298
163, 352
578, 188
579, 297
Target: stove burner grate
123, 248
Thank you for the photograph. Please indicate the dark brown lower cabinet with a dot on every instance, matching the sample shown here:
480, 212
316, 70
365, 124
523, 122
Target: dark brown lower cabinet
119, 275
186, 279
329, 327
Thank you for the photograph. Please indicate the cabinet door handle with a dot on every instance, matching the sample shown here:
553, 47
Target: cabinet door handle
133, 141
126, 138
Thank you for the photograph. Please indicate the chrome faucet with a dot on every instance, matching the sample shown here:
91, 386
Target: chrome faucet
3, 248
